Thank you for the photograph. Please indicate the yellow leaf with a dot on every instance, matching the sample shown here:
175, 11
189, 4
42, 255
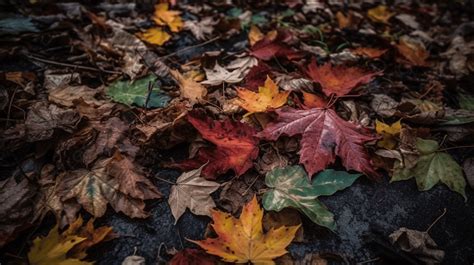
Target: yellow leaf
189, 89
163, 16
155, 36
52, 249
380, 14
255, 35
389, 133
267, 97
242, 240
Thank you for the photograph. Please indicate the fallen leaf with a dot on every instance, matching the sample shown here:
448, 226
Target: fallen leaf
163, 16
311, 100
189, 89
291, 187
200, 29
268, 97
338, 80
468, 167
237, 192
255, 35
389, 133
413, 52
380, 14
189, 256
193, 192
53, 248
256, 76
431, 168
369, 52
418, 243
324, 136
285, 217
114, 180
242, 240
155, 36
138, 93
236, 147
219, 75
271, 46
134, 260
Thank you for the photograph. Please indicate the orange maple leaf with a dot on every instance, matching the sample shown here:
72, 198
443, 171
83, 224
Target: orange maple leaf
242, 240
163, 16
267, 97
236, 146
412, 52
369, 52
338, 80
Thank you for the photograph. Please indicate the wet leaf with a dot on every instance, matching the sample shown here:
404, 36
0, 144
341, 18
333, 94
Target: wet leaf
193, 192
242, 240
268, 97
291, 187
137, 93
324, 136
431, 168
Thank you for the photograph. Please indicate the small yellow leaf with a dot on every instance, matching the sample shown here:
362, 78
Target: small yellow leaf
389, 133
267, 97
380, 14
163, 16
155, 36
242, 240
255, 35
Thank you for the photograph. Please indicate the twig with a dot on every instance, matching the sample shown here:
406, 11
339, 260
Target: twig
190, 47
436, 220
368, 261
164, 180
250, 186
10, 107
72, 65
456, 147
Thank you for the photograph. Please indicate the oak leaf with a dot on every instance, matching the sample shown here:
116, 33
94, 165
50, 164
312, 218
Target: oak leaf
193, 192
243, 240
155, 36
163, 16
388, 132
189, 89
338, 80
324, 136
268, 97
236, 147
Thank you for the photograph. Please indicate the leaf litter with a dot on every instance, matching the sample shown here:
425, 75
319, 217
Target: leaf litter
284, 105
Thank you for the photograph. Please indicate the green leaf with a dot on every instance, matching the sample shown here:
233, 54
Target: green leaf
136, 93
466, 101
431, 168
291, 187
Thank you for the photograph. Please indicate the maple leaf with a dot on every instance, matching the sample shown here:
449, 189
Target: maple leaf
219, 75
274, 46
114, 180
189, 89
338, 80
242, 240
267, 97
324, 136
431, 168
189, 256
369, 52
291, 187
412, 51
236, 147
380, 14
200, 29
388, 132
256, 76
53, 248
163, 16
193, 192
155, 36
255, 35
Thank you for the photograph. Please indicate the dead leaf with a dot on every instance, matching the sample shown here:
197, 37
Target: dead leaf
193, 192
155, 36
369, 52
255, 35
380, 14
200, 29
219, 75
189, 256
163, 16
389, 133
286, 217
189, 89
413, 52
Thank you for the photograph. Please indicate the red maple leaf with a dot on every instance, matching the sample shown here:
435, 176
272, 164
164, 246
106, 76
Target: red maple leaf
338, 80
270, 47
189, 256
235, 146
257, 76
324, 136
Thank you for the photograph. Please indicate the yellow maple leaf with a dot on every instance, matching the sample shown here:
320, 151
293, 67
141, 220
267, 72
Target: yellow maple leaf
255, 35
155, 36
267, 97
163, 16
380, 14
389, 133
242, 240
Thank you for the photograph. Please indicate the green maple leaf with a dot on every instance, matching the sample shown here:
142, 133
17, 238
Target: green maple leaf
136, 93
291, 187
431, 168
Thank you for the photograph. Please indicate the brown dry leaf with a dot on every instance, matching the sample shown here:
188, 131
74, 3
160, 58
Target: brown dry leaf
285, 217
66, 95
369, 52
380, 14
155, 36
413, 52
189, 89
255, 35
16, 207
193, 192
200, 29
236, 192
163, 16
218, 75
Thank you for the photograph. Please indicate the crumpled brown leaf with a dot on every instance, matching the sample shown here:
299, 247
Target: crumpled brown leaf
419, 244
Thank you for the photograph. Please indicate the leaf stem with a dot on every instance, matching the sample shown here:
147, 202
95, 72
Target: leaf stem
436, 220
165, 180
